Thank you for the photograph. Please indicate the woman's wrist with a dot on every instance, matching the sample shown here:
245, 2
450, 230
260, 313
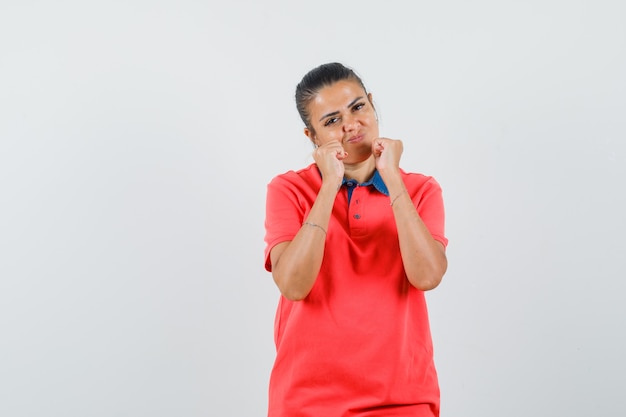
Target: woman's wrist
330, 187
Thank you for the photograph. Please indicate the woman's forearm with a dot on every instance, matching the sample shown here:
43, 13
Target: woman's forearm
423, 257
296, 264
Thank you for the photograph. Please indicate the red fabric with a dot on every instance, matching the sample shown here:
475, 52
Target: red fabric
359, 344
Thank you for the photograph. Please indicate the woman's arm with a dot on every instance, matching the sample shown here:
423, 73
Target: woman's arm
296, 264
424, 258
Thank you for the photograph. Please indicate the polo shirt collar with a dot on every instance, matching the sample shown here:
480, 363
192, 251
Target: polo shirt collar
376, 181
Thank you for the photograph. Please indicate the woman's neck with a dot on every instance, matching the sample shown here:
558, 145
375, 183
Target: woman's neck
360, 171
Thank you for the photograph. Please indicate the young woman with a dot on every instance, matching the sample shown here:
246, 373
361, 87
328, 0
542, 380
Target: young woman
353, 241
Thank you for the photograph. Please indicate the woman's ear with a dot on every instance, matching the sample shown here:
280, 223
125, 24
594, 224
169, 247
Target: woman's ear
309, 134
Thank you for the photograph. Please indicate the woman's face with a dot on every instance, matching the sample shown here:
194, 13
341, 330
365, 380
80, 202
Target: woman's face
343, 112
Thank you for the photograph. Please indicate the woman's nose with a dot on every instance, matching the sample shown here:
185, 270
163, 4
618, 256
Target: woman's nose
350, 123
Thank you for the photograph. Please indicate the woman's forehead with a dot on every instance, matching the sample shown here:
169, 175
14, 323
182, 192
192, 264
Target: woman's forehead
336, 96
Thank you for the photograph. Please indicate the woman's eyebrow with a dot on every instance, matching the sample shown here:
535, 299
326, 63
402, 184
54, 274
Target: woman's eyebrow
352, 103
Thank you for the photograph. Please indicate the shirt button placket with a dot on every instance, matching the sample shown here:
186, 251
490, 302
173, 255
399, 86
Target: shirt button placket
357, 221
357, 190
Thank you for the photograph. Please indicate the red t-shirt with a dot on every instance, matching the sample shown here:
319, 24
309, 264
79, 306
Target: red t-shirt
359, 344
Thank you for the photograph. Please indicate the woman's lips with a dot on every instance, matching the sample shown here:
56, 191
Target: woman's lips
355, 139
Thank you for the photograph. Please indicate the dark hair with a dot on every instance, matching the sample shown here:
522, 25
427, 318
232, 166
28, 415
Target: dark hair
318, 78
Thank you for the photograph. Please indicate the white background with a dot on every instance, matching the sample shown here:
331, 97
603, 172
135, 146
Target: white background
137, 139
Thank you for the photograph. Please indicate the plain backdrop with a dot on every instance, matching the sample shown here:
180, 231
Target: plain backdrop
137, 139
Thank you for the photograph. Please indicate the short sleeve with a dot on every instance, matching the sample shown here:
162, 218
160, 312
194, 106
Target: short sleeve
283, 215
430, 207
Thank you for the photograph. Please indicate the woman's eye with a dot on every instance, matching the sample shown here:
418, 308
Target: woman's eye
330, 121
358, 106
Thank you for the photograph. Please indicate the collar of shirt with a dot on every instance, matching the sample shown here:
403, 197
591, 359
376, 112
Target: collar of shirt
376, 181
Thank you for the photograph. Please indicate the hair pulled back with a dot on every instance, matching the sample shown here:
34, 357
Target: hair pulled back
318, 78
